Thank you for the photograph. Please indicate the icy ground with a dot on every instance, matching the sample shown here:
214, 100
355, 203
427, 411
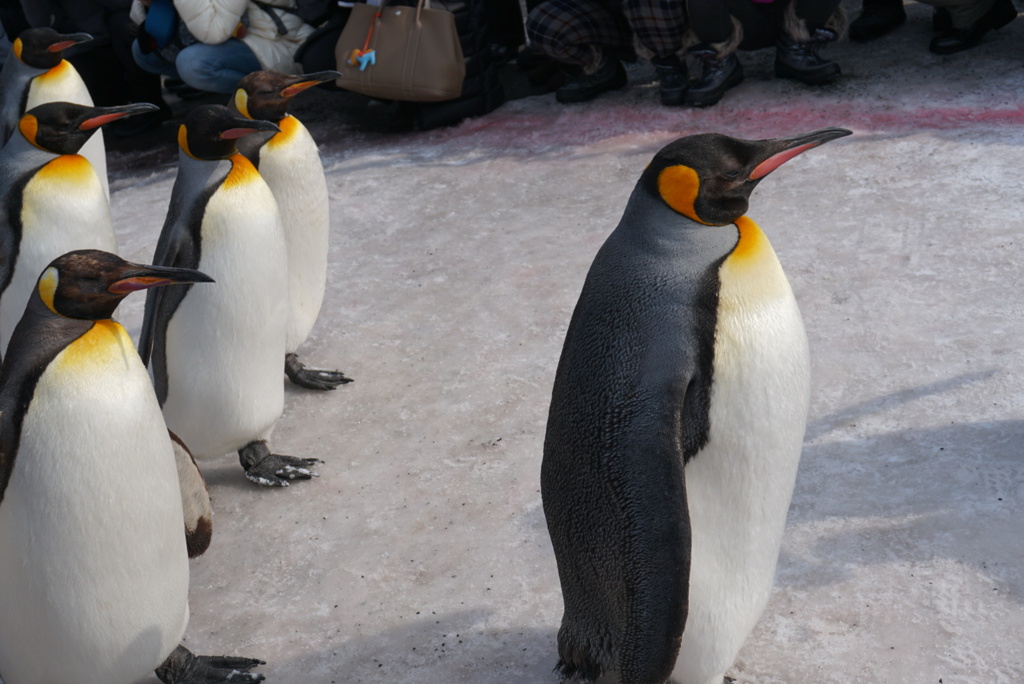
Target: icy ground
420, 554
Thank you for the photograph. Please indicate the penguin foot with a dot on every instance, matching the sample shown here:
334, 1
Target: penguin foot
312, 378
184, 667
274, 470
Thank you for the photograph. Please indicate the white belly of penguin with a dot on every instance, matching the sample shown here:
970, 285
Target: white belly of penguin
292, 168
59, 214
225, 342
739, 486
94, 566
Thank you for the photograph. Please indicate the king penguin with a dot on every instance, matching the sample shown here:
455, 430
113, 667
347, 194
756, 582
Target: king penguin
215, 353
676, 423
35, 73
93, 552
290, 164
51, 199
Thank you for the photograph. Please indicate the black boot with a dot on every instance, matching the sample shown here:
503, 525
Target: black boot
673, 80
800, 61
717, 76
957, 39
877, 18
583, 87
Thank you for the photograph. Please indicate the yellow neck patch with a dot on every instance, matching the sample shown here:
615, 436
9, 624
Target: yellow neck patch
242, 171
678, 186
68, 167
58, 72
242, 102
48, 288
104, 341
17, 46
289, 126
752, 243
183, 140
29, 127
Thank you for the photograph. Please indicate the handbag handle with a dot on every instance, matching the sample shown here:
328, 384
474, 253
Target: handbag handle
419, 8
420, 5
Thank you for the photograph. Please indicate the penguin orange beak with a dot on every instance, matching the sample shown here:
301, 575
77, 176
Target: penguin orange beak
114, 113
137, 277
67, 40
252, 126
781, 150
308, 81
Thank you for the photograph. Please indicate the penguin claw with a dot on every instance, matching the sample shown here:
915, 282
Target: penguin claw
312, 378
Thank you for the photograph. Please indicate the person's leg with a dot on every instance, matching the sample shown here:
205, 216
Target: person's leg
877, 18
140, 85
584, 37
216, 68
659, 26
808, 25
152, 62
969, 21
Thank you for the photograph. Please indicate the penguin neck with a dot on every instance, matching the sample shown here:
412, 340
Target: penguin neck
250, 145
16, 71
194, 172
657, 226
25, 153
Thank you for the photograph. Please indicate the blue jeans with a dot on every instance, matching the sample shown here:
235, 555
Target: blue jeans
212, 68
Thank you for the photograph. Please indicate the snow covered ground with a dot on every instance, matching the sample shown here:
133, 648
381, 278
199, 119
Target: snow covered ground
420, 554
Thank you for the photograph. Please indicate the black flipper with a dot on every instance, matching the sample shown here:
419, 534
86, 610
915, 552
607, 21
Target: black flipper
624, 562
180, 246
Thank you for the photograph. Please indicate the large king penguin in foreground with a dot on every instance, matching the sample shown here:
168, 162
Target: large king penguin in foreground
35, 73
215, 353
51, 199
676, 423
93, 549
290, 163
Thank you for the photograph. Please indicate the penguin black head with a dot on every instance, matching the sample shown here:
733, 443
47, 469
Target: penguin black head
209, 132
43, 48
63, 127
89, 283
709, 177
265, 94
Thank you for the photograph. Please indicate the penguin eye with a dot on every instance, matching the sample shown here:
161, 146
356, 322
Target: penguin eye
731, 175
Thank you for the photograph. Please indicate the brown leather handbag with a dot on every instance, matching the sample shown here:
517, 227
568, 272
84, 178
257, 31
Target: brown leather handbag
394, 52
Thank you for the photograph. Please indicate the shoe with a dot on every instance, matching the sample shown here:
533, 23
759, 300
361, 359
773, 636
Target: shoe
877, 18
583, 87
800, 61
955, 40
673, 81
717, 76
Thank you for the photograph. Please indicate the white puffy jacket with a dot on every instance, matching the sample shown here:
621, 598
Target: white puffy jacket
214, 21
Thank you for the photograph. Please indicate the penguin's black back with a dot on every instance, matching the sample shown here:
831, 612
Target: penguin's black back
630, 404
